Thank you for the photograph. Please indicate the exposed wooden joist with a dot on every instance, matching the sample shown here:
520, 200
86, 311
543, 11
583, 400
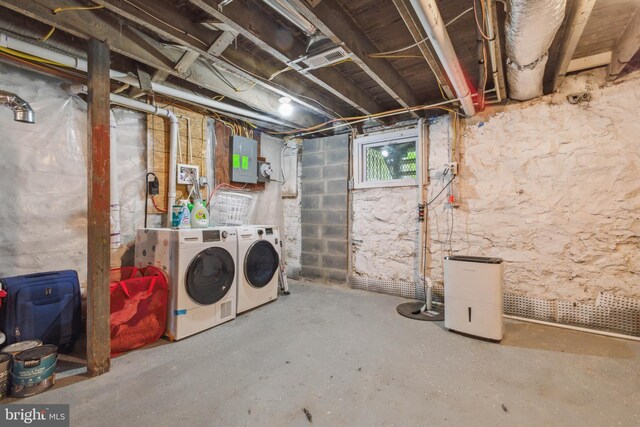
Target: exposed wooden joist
576, 22
597, 60
418, 34
498, 66
332, 20
626, 47
98, 233
187, 60
87, 24
252, 24
239, 61
133, 44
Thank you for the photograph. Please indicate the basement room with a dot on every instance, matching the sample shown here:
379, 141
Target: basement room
320, 212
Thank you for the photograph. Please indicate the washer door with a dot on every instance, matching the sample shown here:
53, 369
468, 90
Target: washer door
260, 263
210, 275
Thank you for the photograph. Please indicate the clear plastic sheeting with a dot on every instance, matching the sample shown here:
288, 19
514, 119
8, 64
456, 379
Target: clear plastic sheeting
43, 179
530, 28
132, 168
43, 176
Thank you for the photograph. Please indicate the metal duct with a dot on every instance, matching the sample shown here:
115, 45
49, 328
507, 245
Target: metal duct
22, 111
530, 29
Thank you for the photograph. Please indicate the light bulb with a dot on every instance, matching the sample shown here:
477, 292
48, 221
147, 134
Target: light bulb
285, 109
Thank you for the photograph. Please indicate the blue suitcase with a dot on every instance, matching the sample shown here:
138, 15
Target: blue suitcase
43, 306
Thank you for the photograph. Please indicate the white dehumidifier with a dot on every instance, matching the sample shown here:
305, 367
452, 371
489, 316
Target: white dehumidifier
473, 289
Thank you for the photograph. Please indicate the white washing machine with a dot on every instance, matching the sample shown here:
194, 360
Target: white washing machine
259, 258
201, 266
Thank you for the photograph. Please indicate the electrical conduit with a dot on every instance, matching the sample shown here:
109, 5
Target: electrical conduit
9, 42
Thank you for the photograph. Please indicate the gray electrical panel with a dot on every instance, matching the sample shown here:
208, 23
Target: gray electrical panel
244, 160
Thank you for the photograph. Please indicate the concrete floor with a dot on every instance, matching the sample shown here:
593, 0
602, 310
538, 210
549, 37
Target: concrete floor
350, 360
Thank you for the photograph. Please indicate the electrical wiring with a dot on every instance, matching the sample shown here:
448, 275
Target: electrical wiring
48, 35
396, 56
441, 191
223, 185
30, 57
378, 55
167, 24
48, 70
358, 119
155, 205
475, 15
64, 9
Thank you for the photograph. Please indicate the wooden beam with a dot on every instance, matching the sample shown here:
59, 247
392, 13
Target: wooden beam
418, 34
597, 60
132, 43
92, 24
195, 36
577, 21
626, 47
98, 255
265, 33
498, 66
334, 22
190, 56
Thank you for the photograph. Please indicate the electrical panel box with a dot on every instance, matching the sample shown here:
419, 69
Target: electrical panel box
244, 160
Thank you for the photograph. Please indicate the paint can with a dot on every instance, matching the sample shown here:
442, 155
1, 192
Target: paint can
5, 362
16, 348
34, 370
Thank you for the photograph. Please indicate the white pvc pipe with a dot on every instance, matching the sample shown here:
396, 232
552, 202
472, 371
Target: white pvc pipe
574, 328
80, 64
431, 20
292, 15
173, 142
114, 190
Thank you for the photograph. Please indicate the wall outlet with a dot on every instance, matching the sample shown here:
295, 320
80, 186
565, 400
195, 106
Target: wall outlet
453, 167
188, 174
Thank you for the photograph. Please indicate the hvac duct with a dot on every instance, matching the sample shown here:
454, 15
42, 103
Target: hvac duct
530, 29
22, 111
431, 20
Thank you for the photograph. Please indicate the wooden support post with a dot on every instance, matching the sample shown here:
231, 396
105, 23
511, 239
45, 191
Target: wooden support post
626, 47
577, 21
98, 301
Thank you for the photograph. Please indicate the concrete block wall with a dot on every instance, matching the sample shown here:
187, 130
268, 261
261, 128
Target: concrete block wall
325, 170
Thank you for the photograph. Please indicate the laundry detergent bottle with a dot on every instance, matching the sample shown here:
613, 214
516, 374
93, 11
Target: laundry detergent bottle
199, 215
185, 216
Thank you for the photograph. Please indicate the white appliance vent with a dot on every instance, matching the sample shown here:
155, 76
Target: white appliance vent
325, 58
225, 309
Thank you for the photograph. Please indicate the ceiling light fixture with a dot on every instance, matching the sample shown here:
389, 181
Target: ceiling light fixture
285, 107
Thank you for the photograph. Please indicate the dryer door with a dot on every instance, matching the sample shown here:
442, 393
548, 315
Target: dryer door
210, 275
260, 263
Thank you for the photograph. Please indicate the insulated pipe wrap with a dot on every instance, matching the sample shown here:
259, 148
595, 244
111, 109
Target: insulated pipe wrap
530, 29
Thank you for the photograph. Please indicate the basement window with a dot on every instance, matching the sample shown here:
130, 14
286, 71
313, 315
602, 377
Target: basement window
386, 159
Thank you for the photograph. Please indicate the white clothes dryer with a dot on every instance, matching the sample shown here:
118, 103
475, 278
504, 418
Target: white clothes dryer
259, 258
